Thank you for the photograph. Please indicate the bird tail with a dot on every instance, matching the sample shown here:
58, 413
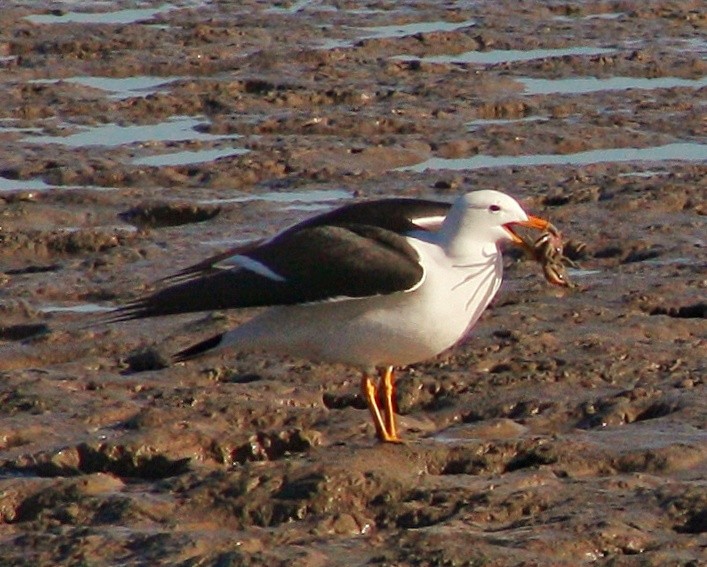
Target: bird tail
199, 348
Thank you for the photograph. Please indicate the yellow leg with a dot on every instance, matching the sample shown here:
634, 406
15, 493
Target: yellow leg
369, 393
386, 385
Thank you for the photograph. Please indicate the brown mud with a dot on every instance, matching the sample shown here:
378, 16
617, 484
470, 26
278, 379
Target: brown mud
568, 429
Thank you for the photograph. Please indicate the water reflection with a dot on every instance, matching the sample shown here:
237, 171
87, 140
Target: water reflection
23, 184
115, 17
79, 308
495, 56
577, 85
176, 129
189, 156
396, 31
120, 88
307, 197
678, 151
404, 30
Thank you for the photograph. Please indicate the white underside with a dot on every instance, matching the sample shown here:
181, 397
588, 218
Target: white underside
390, 330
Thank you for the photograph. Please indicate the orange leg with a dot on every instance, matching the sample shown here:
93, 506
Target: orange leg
386, 385
369, 393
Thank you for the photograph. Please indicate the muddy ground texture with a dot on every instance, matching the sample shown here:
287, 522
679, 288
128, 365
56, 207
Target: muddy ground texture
569, 429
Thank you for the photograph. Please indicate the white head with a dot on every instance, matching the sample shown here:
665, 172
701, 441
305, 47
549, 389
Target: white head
484, 218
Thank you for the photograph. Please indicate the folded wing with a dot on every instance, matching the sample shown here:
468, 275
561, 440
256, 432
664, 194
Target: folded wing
311, 264
399, 215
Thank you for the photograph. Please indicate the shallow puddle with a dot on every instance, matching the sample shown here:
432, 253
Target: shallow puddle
698, 44
605, 16
23, 184
78, 308
177, 129
128, 16
646, 173
679, 151
581, 272
472, 124
189, 157
306, 197
495, 56
308, 207
404, 30
119, 88
578, 85
294, 8
18, 129
396, 31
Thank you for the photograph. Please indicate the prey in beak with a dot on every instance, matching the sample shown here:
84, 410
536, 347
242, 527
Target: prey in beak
532, 222
547, 249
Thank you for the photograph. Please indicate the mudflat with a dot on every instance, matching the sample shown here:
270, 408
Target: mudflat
135, 140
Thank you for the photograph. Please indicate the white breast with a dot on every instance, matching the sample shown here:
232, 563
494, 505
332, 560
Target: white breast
387, 330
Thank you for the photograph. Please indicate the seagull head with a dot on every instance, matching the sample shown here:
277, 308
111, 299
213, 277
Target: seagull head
489, 217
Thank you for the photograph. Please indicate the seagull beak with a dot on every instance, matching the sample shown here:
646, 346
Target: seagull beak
532, 222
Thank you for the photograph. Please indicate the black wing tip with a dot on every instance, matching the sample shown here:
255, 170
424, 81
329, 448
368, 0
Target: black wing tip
198, 349
184, 275
128, 312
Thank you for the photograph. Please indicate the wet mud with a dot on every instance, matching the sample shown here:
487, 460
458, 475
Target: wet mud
568, 429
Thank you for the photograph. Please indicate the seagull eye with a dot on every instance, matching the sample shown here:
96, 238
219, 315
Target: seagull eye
494, 208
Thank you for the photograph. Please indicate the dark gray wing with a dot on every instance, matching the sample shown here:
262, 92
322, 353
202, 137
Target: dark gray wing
316, 263
399, 215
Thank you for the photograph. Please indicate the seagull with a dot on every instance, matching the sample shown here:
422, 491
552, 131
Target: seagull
374, 285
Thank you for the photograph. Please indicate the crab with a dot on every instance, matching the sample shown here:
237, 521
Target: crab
548, 250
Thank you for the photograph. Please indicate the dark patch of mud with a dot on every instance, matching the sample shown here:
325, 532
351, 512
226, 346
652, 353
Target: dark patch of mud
161, 215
